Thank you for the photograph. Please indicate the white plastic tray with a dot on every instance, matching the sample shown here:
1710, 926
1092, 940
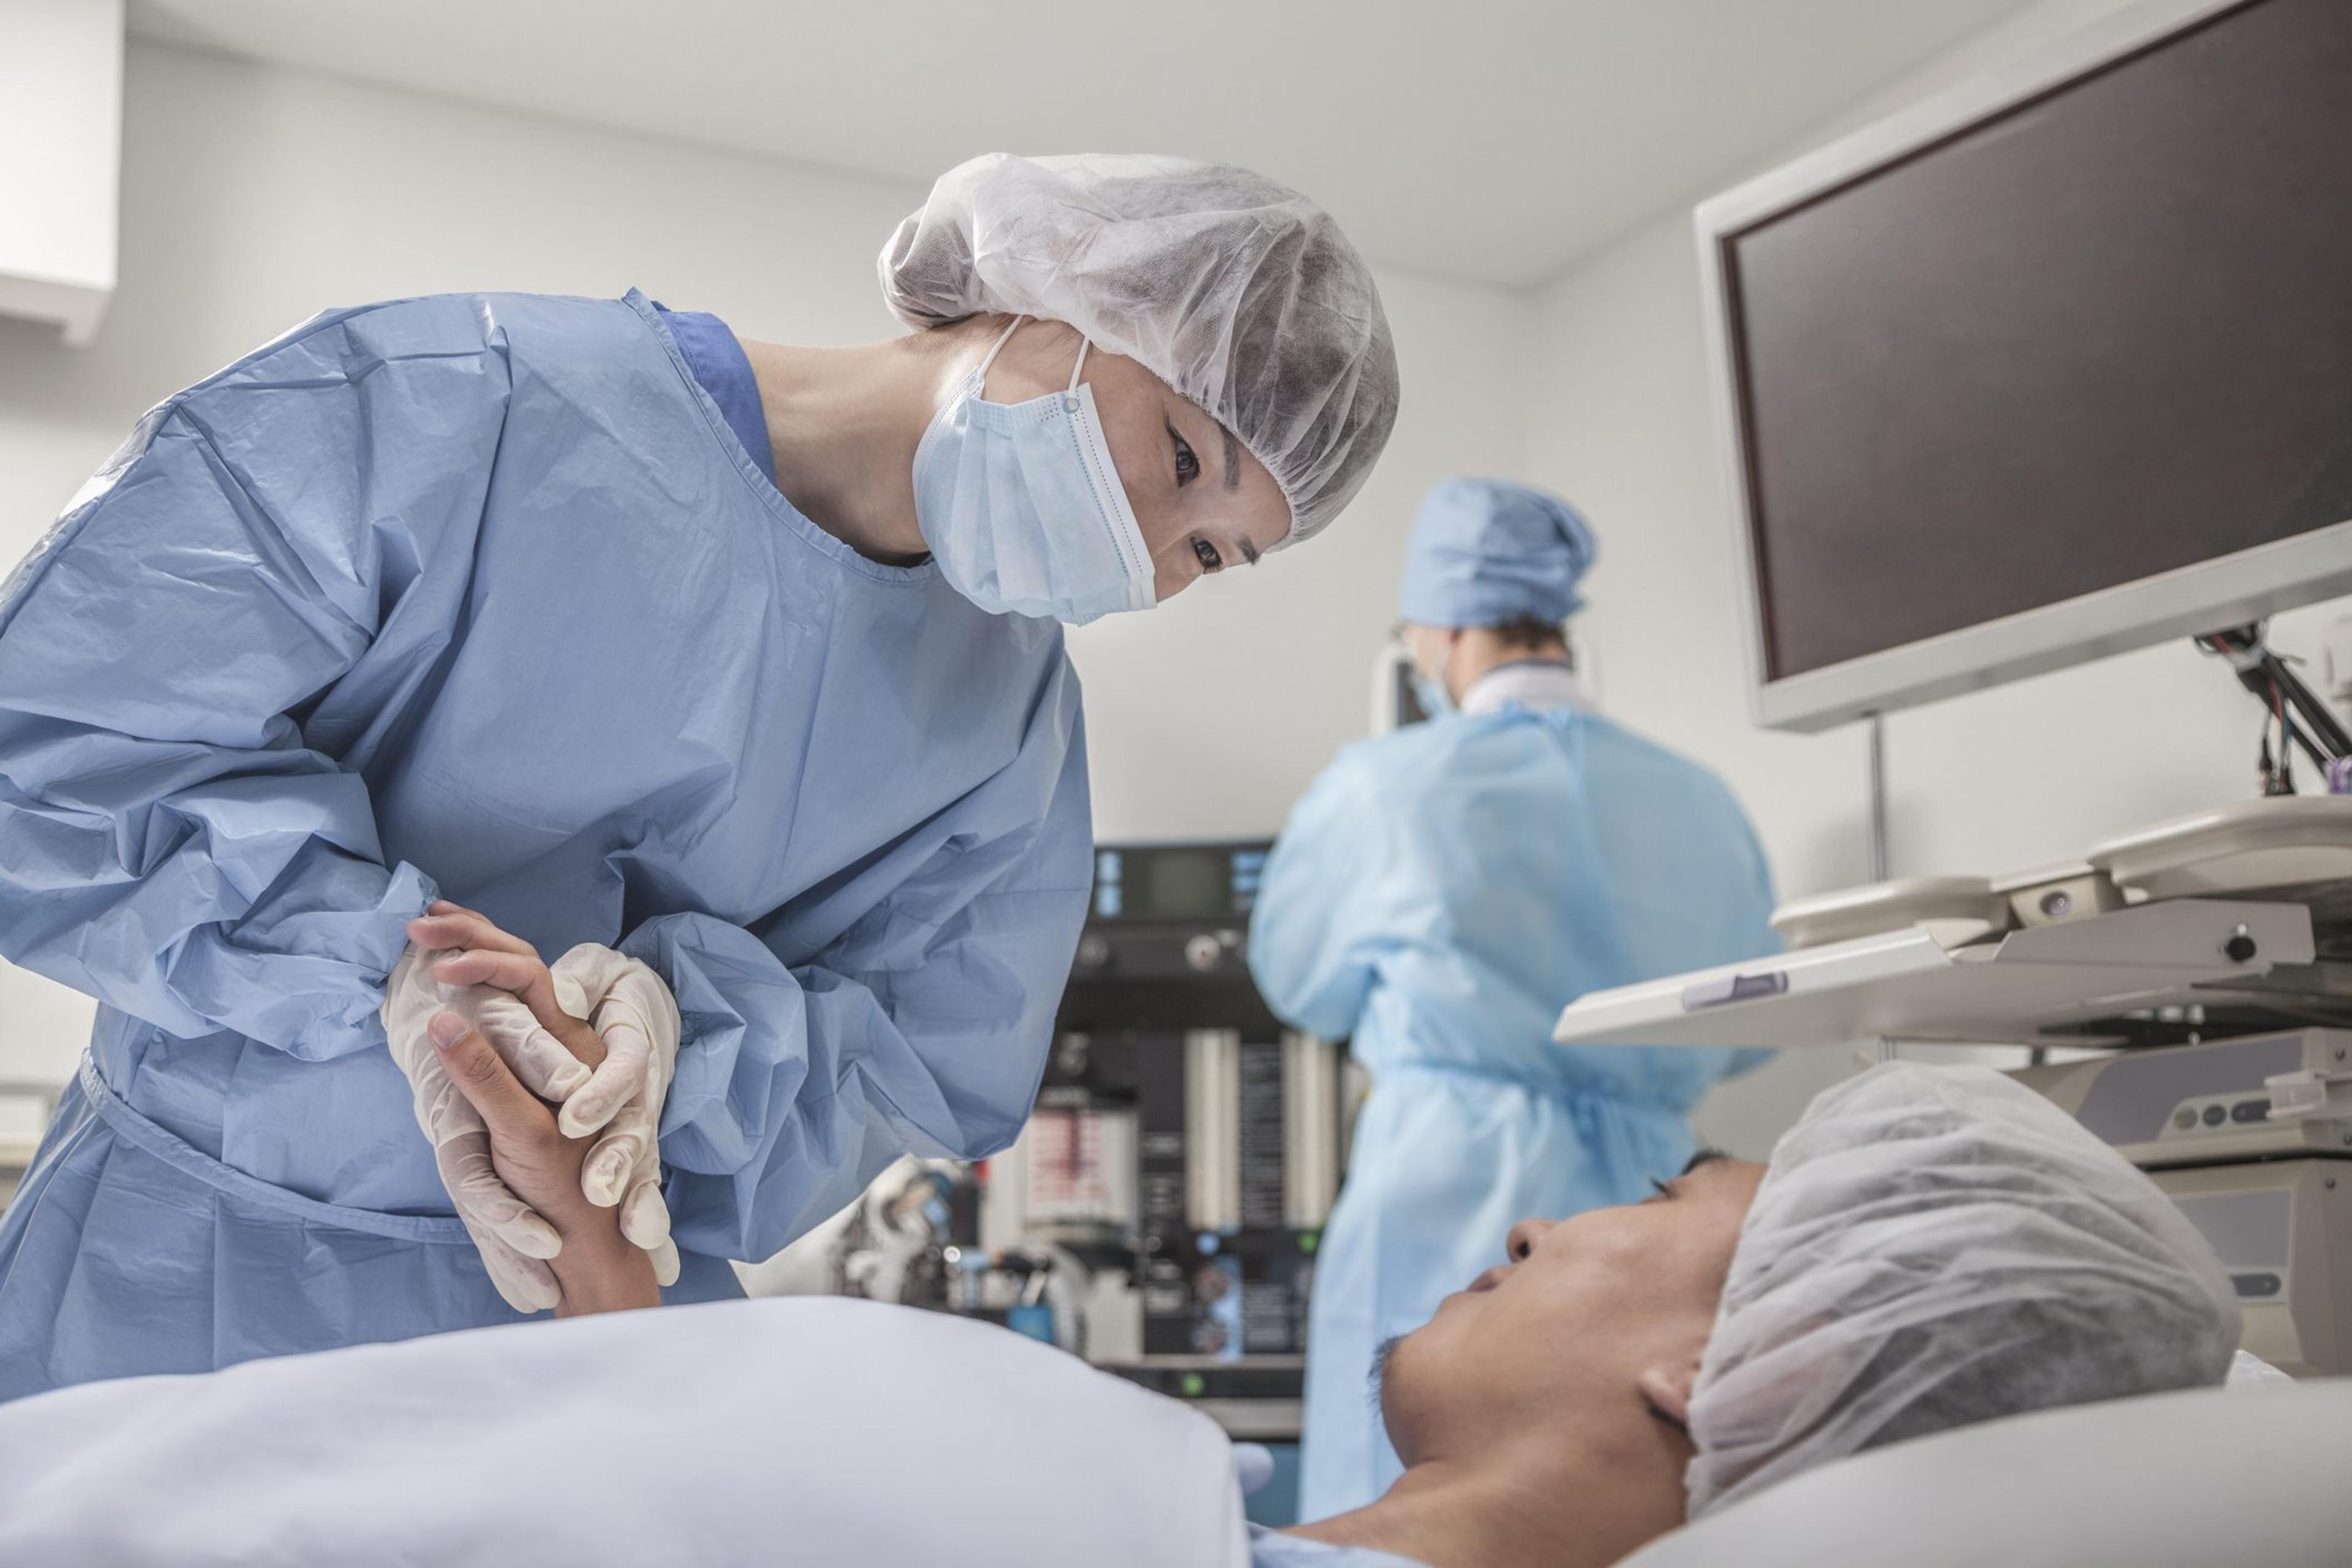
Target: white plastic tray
1907, 985
1955, 909
2285, 841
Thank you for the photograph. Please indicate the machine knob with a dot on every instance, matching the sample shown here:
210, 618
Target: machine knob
1093, 953
2240, 947
1204, 952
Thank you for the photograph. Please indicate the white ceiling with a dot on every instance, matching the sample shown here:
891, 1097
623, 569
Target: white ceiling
1494, 140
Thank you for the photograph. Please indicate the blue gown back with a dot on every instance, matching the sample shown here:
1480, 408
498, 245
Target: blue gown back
1439, 895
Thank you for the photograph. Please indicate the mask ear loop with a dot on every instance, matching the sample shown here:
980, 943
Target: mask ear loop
1084, 344
1001, 338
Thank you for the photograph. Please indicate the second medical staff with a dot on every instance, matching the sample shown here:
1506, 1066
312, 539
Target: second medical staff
1438, 896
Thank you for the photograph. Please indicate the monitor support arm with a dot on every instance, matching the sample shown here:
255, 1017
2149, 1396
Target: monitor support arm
2302, 717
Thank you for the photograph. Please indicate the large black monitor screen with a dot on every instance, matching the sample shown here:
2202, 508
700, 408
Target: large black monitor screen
2104, 335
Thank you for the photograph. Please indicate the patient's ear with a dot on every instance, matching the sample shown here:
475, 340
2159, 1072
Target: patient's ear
1668, 1389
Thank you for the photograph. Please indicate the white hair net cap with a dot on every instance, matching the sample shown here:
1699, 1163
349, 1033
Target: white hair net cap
1237, 291
1933, 1246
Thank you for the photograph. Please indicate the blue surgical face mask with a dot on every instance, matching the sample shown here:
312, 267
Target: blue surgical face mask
1430, 692
1023, 507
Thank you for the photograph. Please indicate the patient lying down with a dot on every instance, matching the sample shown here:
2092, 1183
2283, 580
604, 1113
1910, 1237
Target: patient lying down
1927, 1248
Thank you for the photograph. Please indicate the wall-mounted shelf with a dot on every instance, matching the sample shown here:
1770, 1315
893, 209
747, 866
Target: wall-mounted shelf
60, 159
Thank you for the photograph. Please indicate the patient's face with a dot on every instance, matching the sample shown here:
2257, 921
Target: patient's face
1593, 1321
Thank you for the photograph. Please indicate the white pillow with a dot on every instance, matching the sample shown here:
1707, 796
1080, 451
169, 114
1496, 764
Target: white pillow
807, 1430
2174, 1480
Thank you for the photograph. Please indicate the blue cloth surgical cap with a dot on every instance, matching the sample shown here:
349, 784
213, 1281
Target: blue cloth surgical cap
1486, 551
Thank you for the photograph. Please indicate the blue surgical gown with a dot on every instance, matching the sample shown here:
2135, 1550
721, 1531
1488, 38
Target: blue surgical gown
722, 369
480, 596
1439, 895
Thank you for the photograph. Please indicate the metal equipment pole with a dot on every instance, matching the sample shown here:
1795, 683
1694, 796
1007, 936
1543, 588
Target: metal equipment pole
1878, 872
1878, 868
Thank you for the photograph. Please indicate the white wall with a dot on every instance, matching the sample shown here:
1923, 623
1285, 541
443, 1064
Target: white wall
1993, 782
254, 197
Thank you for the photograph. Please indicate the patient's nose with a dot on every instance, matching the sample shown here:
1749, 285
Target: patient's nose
1524, 1237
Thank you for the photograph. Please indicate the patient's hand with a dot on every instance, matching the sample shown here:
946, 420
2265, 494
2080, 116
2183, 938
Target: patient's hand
598, 1269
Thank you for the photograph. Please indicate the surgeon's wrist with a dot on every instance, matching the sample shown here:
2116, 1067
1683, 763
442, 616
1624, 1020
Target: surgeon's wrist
604, 1272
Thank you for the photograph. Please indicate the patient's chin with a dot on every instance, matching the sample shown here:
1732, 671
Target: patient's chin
1405, 1369
1383, 1369
1380, 1379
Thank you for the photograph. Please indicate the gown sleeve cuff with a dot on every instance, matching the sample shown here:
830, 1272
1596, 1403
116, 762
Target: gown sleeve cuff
310, 983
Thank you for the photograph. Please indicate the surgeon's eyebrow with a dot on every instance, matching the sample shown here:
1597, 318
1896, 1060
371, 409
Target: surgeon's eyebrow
1704, 1157
1234, 482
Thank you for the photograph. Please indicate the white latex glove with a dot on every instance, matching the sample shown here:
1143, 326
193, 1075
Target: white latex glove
637, 1018
512, 1239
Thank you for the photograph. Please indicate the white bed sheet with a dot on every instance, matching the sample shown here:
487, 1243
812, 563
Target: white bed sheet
792, 1431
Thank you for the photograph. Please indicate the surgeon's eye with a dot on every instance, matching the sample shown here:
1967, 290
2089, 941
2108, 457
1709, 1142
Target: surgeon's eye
1206, 553
1661, 1188
1188, 465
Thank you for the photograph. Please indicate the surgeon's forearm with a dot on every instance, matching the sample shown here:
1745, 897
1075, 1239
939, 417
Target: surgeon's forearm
602, 1273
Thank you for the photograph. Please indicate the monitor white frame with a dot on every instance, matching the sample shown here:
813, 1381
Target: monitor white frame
2226, 591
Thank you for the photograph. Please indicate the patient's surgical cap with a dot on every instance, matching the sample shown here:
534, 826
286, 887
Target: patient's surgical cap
1238, 292
1485, 552
1933, 1246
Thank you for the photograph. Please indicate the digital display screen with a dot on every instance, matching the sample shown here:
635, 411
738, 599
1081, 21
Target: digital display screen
1177, 881
2103, 335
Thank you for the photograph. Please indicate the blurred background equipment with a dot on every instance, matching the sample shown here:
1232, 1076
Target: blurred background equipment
1185, 1141
2251, 1138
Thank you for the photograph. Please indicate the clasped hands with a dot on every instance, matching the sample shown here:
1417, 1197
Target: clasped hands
540, 1088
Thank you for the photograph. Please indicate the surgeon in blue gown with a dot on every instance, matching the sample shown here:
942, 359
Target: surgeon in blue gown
743, 659
1439, 895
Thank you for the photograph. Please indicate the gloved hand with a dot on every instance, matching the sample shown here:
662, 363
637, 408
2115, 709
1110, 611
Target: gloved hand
637, 1019
512, 1239
631, 1042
